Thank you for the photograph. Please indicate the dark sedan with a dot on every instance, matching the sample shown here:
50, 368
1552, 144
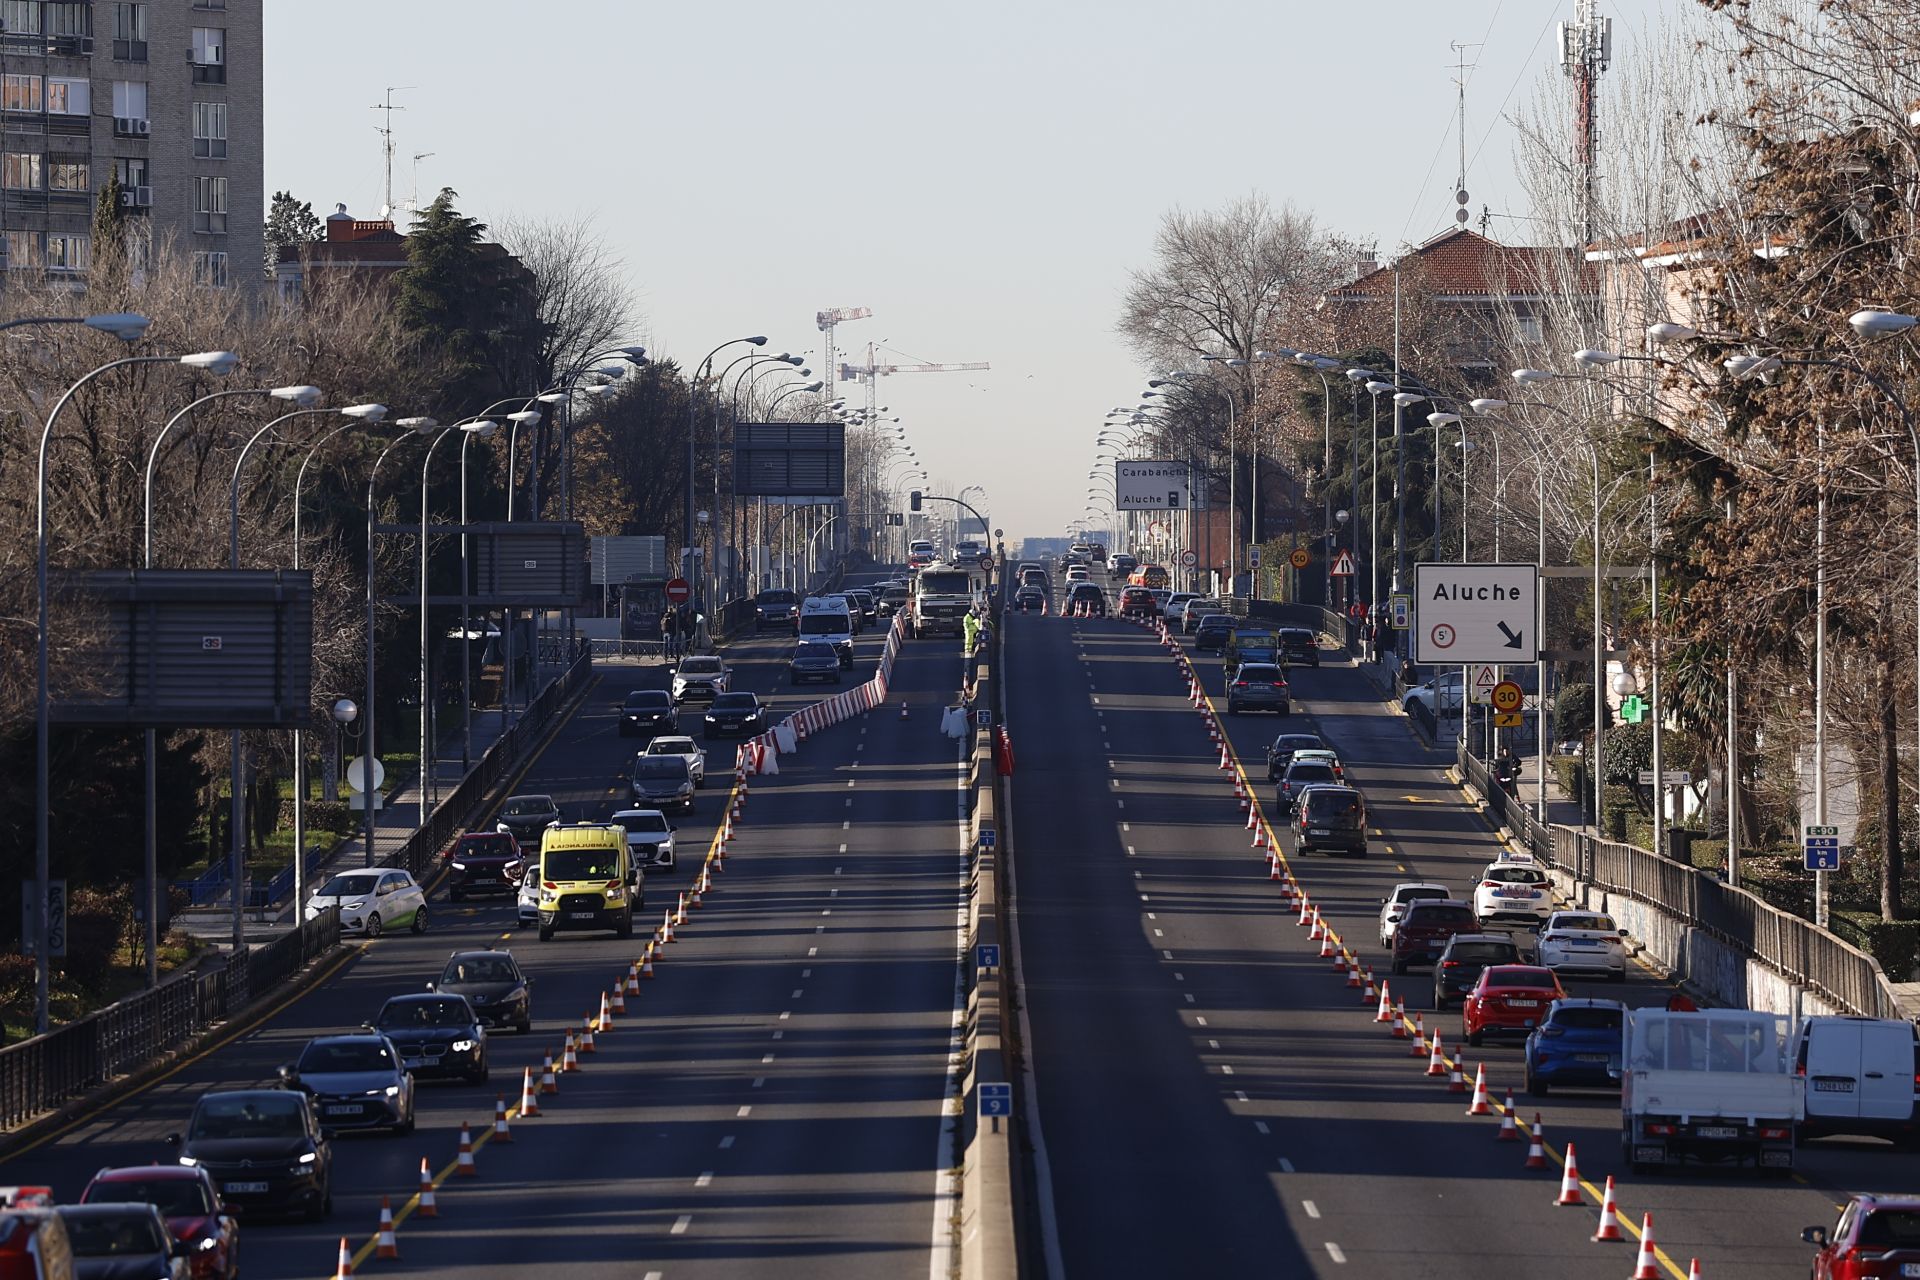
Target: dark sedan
813, 660
647, 712
436, 1034
738, 714
493, 984
1212, 637
264, 1149
526, 817
355, 1081
1466, 954
1030, 600
662, 782
120, 1242
478, 863
1280, 754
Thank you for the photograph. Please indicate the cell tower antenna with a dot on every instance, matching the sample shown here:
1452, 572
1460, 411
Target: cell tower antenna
1586, 49
386, 139
1460, 69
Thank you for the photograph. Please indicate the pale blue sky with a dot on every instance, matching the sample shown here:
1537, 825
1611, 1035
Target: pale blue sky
982, 175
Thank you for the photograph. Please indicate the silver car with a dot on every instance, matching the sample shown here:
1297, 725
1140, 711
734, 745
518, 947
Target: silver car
355, 1081
528, 905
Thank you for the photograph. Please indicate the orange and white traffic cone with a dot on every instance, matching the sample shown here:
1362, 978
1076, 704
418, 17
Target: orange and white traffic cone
345, 1269
529, 1106
619, 1003
1646, 1266
1609, 1228
1385, 1012
1569, 1181
1693, 1269
501, 1133
666, 928
1306, 914
1536, 1146
585, 1043
1418, 1049
1326, 945
1319, 930
606, 1015
1437, 1058
1456, 1083
385, 1245
633, 979
646, 962
547, 1082
1509, 1131
1354, 979
1260, 837
1481, 1105
424, 1207
569, 1055
464, 1166
1273, 873
680, 913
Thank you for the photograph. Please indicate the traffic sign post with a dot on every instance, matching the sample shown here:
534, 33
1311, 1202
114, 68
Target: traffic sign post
1402, 609
1342, 564
1476, 613
1484, 677
1253, 557
678, 591
995, 1100
1300, 558
1507, 698
1188, 559
1822, 846
987, 957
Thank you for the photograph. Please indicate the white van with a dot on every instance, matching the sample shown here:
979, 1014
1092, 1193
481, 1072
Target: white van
828, 620
1862, 1078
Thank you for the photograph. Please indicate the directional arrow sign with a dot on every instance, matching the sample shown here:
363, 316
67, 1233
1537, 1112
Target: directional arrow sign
1466, 613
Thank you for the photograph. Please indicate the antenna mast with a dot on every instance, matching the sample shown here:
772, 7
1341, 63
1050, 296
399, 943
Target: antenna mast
386, 138
1461, 68
1586, 47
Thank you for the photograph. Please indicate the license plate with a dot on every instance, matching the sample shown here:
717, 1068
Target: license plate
1590, 1057
1583, 942
244, 1188
413, 1062
1833, 1086
1513, 893
1320, 831
1716, 1131
1910, 1268
581, 915
1523, 1004
349, 1109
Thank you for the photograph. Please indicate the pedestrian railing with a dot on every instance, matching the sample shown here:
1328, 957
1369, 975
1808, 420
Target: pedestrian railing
627, 648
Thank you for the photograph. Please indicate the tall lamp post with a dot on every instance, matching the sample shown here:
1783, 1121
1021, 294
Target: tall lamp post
702, 372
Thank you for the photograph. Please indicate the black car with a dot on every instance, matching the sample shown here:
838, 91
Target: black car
1280, 753
119, 1242
526, 817
264, 1149
1300, 775
355, 1081
437, 1034
1030, 600
479, 861
774, 608
739, 714
1329, 817
814, 660
493, 984
662, 782
1212, 636
1466, 954
647, 712
1297, 644
864, 601
1138, 602
1088, 598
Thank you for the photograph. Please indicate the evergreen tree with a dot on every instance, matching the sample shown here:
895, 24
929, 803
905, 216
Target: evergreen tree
109, 227
289, 222
459, 304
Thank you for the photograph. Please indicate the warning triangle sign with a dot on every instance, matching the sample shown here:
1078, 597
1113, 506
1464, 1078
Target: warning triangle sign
1343, 565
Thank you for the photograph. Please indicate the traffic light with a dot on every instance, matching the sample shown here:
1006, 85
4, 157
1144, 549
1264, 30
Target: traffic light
913, 499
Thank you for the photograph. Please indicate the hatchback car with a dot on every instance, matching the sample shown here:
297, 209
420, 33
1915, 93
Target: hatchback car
1030, 599
1876, 1235
1515, 891
355, 1081
1084, 596
1406, 893
1299, 776
478, 862
372, 901
687, 749
493, 983
1331, 817
1258, 686
1424, 928
525, 817
647, 711
1509, 999
121, 1242
1297, 644
737, 715
862, 600
436, 1035
1214, 633
1466, 955
1577, 1044
263, 1148
661, 782
526, 906
1138, 602
699, 678
1584, 940
814, 660
190, 1205
1280, 751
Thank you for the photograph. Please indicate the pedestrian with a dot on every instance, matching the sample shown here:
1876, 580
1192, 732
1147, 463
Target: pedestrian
669, 634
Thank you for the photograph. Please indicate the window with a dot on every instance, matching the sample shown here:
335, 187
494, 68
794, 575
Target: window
22, 248
132, 170
68, 19
130, 103
210, 205
130, 32
210, 130
69, 97
69, 176
66, 252
20, 17
1528, 329
210, 269
209, 47
20, 171
21, 93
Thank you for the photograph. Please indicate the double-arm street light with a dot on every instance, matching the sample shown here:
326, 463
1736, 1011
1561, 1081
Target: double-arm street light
702, 372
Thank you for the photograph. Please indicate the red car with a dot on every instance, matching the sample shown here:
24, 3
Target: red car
1510, 999
188, 1201
1876, 1236
478, 863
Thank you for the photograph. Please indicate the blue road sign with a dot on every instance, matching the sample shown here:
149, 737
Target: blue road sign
987, 955
987, 839
1823, 854
996, 1100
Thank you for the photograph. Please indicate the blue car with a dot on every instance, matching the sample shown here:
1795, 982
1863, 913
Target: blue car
1579, 1045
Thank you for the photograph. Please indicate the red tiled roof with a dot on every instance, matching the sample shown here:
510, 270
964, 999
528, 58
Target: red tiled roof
1461, 262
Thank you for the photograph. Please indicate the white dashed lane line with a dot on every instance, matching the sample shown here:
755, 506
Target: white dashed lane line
680, 1225
1313, 1210
726, 1142
704, 1180
1335, 1252
743, 1113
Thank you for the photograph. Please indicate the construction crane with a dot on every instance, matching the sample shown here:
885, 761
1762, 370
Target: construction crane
872, 371
826, 320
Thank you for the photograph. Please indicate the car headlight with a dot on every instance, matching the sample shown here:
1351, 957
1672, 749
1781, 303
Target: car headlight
458, 866
208, 1244
189, 1162
518, 993
353, 906
462, 1046
392, 1091
548, 895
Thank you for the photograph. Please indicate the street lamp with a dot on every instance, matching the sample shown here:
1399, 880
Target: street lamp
429, 758
703, 371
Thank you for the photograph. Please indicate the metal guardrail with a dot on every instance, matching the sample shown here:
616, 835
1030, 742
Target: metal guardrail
41, 1074
1791, 945
627, 648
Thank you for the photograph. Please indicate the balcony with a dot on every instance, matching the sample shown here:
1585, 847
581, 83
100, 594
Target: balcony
209, 73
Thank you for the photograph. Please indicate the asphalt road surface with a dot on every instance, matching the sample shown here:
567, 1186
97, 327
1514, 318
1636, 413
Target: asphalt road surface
1211, 1098
773, 1102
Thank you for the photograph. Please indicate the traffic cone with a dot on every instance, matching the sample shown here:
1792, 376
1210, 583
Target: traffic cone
1437, 1058
1509, 1131
1536, 1146
1481, 1105
1456, 1083
619, 1005
569, 1056
680, 912
646, 963
1224, 765
1693, 1269
606, 1015
1419, 1047
1646, 1266
424, 1207
464, 1166
1569, 1181
633, 980
1260, 837
1319, 929
1385, 1013
666, 929
1273, 873
547, 1082
1353, 971
585, 1043
1609, 1228
1326, 941
501, 1133
529, 1106
1306, 910
345, 1269
1366, 996
385, 1245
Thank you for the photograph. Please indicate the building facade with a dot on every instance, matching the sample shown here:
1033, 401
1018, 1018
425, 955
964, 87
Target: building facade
164, 94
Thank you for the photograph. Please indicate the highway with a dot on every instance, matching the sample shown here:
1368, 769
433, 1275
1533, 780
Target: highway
771, 1104
1204, 1076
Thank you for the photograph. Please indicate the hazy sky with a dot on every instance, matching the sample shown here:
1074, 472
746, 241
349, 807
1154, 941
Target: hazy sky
982, 175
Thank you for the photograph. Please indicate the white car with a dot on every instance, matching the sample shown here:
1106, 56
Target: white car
686, 748
649, 837
372, 901
1175, 609
1394, 905
699, 676
1584, 940
1514, 891
1078, 573
529, 898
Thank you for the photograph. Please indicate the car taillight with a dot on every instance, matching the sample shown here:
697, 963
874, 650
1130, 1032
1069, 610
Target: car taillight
1449, 964
1774, 1134
1279, 684
1552, 1033
1239, 684
1659, 1130
548, 884
1489, 884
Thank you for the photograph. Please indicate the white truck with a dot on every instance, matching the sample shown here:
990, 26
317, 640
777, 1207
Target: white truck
943, 596
1714, 1086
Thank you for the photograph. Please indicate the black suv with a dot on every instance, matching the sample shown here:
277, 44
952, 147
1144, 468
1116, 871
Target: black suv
1329, 817
1297, 644
1466, 954
264, 1149
647, 712
478, 862
774, 608
1087, 596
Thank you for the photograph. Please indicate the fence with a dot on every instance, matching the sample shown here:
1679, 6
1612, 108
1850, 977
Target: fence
1790, 945
40, 1074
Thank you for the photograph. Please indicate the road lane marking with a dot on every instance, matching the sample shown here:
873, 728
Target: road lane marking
785, 1014
806, 973
849, 781
845, 826
1127, 826
1286, 1165
778, 1034
843, 849
1226, 1070
1179, 977
1201, 1020
1166, 955
765, 1058
1130, 852
704, 1180
743, 1113
680, 1225
849, 799
759, 1081
1143, 897
827, 912
1158, 934
1261, 1125
1313, 1210
812, 951
796, 993
1152, 916
1334, 1251
1189, 997
1213, 1044
726, 1142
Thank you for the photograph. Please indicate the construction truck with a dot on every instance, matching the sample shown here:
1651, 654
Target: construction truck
943, 595
1713, 1086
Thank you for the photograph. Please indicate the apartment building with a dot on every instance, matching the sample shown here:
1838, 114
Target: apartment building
165, 94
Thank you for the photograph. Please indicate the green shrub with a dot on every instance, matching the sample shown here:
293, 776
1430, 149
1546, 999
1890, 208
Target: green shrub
1573, 711
98, 923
